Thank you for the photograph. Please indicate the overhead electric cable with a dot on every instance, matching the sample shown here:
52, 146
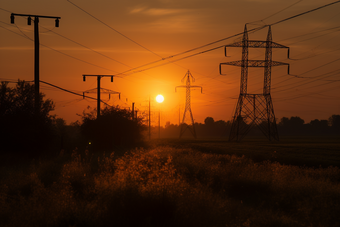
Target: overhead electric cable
23, 35
63, 89
90, 49
113, 29
229, 37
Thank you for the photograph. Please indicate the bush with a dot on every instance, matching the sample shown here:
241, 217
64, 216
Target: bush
22, 130
115, 127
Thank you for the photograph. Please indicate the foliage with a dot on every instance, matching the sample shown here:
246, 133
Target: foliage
114, 127
21, 127
164, 186
67, 137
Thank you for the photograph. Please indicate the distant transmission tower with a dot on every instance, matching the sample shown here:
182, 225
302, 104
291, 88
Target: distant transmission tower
185, 126
254, 109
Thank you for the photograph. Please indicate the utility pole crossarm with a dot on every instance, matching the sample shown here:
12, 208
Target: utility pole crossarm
31, 15
85, 75
98, 88
36, 18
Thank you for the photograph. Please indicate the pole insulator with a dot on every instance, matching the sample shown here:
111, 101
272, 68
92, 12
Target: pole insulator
111, 78
84, 79
12, 18
57, 22
29, 21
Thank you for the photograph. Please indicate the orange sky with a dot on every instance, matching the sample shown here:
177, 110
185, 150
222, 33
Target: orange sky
162, 28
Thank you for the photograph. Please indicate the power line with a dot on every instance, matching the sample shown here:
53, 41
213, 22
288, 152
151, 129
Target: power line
74, 93
211, 43
90, 49
24, 36
113, 29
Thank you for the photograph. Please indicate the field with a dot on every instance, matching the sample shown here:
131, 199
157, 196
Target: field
302, 151
294, 182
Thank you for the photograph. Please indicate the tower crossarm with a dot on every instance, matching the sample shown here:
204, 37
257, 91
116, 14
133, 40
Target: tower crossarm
197, 87
182, 86
253, 63
256, 44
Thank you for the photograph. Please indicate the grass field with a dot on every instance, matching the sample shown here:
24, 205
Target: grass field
294, 182
301, 151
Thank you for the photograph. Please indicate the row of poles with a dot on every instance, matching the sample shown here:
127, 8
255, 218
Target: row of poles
37, 104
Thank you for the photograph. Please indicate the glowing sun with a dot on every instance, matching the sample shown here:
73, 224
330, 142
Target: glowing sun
160, 98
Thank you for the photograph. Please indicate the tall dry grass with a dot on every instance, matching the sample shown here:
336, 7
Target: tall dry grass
165, 186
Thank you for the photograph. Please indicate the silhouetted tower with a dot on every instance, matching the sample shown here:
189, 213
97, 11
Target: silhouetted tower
188, 86
255, 109
37, 103
98, 89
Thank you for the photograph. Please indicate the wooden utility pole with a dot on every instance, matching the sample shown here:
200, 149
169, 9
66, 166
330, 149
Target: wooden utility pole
98, 89
37, 103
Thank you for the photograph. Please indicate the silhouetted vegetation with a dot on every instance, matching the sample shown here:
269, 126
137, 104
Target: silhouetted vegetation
296, 126
179, 183
210, 128
165, 186
286, 126
115, 127
22, 130
67, 137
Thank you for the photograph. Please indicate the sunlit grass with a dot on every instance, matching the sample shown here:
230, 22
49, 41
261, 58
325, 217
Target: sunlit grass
164, 186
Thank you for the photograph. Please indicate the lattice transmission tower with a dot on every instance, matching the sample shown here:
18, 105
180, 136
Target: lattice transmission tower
255, 109
188, 86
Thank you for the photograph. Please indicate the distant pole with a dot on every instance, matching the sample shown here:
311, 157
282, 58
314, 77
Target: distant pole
98, 96
98, 89
36, 53
133, 111
149, 120
179, 115
159, 123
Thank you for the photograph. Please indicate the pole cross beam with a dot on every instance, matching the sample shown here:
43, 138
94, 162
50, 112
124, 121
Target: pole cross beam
98, 89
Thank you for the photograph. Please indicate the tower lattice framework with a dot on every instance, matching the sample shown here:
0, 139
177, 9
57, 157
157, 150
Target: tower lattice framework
188, 87
255, 109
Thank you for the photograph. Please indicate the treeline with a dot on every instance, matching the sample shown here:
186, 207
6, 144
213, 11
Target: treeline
286, 126
23, 131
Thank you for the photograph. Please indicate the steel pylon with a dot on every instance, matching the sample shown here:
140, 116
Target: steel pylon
255, 109
188, 86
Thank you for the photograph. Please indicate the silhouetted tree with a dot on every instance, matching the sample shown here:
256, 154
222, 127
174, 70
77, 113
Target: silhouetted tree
22, 130
209, 121
67, 137
292, 125
334, 122
318, 127
113, 128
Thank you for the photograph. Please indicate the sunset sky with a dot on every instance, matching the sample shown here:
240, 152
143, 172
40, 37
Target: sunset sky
107, 37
